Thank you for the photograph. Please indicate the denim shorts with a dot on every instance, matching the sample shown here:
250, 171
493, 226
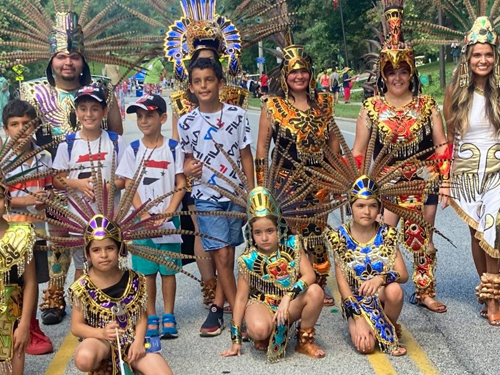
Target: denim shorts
225, 228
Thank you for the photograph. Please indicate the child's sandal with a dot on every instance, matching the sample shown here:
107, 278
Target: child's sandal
153, 326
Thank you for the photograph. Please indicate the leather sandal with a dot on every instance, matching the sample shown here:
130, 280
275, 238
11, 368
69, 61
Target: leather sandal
399, 352
494, 319
306, 345
261, 345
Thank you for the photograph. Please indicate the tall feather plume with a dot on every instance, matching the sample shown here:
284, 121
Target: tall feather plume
98, 17
494, 7
85, 11
80, 202
416, 218
369, 151
239, 172
31, 12
161, 260
470, 10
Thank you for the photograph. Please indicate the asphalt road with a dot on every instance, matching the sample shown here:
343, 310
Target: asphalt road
458, 342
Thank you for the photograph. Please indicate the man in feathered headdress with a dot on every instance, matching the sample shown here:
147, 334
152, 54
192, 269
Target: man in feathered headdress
71, 44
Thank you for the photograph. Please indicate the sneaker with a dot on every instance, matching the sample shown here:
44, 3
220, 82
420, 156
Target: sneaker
214, 324
39, 343
169, 330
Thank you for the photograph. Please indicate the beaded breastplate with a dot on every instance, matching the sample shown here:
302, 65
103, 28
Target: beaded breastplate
274, 274
232, 95
408, 125
99, 309
308, 130
360, 262
16, 249
56, 106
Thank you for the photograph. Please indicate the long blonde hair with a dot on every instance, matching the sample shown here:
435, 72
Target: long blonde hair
461, 99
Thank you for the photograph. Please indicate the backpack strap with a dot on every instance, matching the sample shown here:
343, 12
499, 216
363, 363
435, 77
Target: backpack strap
172, 143
114, 138
135, 146
70, 141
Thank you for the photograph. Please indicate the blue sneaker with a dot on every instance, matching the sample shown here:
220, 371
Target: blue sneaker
169, 327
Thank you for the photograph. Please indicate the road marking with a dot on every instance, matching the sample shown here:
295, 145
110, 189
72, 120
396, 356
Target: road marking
60, 361
378, 360
417, 354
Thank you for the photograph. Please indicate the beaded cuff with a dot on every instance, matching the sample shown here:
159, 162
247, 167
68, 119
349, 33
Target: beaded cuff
298, 288
236, 337
390, 277
351, 309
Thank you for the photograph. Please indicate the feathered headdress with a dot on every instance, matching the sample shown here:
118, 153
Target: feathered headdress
36, 36
379, 180
203, 26
472, 24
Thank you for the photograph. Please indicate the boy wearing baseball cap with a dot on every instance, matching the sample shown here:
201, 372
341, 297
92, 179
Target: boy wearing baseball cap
164, 162
90, 145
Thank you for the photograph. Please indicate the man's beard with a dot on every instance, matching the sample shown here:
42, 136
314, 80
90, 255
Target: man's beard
70, 78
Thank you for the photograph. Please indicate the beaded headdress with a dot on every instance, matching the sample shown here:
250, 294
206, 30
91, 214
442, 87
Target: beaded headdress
395, 50
203, 26
35, 35
261, 203
294, 58
482, 31
364, 188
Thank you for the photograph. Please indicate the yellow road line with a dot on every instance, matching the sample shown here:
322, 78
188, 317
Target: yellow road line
379, 361
63, 356
417, 354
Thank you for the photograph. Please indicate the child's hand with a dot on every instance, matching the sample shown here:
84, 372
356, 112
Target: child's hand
136, 351
193, 167
281, 315
235, 350
109, 333
31, 200
362, 334
85, 186
21, 339
370, 287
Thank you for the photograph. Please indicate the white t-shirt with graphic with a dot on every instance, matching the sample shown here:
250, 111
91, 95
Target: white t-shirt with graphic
80, 156
228, 127
159, 178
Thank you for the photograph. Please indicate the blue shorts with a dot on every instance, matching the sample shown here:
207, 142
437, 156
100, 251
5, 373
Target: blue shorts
147, 267
225, 228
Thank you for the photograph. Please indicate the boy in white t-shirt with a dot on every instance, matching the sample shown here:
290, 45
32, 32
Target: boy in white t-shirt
164, 161
228, 126
90, 109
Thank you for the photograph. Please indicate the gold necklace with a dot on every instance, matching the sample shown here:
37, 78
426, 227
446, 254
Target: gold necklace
479, 91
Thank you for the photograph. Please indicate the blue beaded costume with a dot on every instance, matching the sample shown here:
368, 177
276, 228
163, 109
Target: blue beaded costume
360, 262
